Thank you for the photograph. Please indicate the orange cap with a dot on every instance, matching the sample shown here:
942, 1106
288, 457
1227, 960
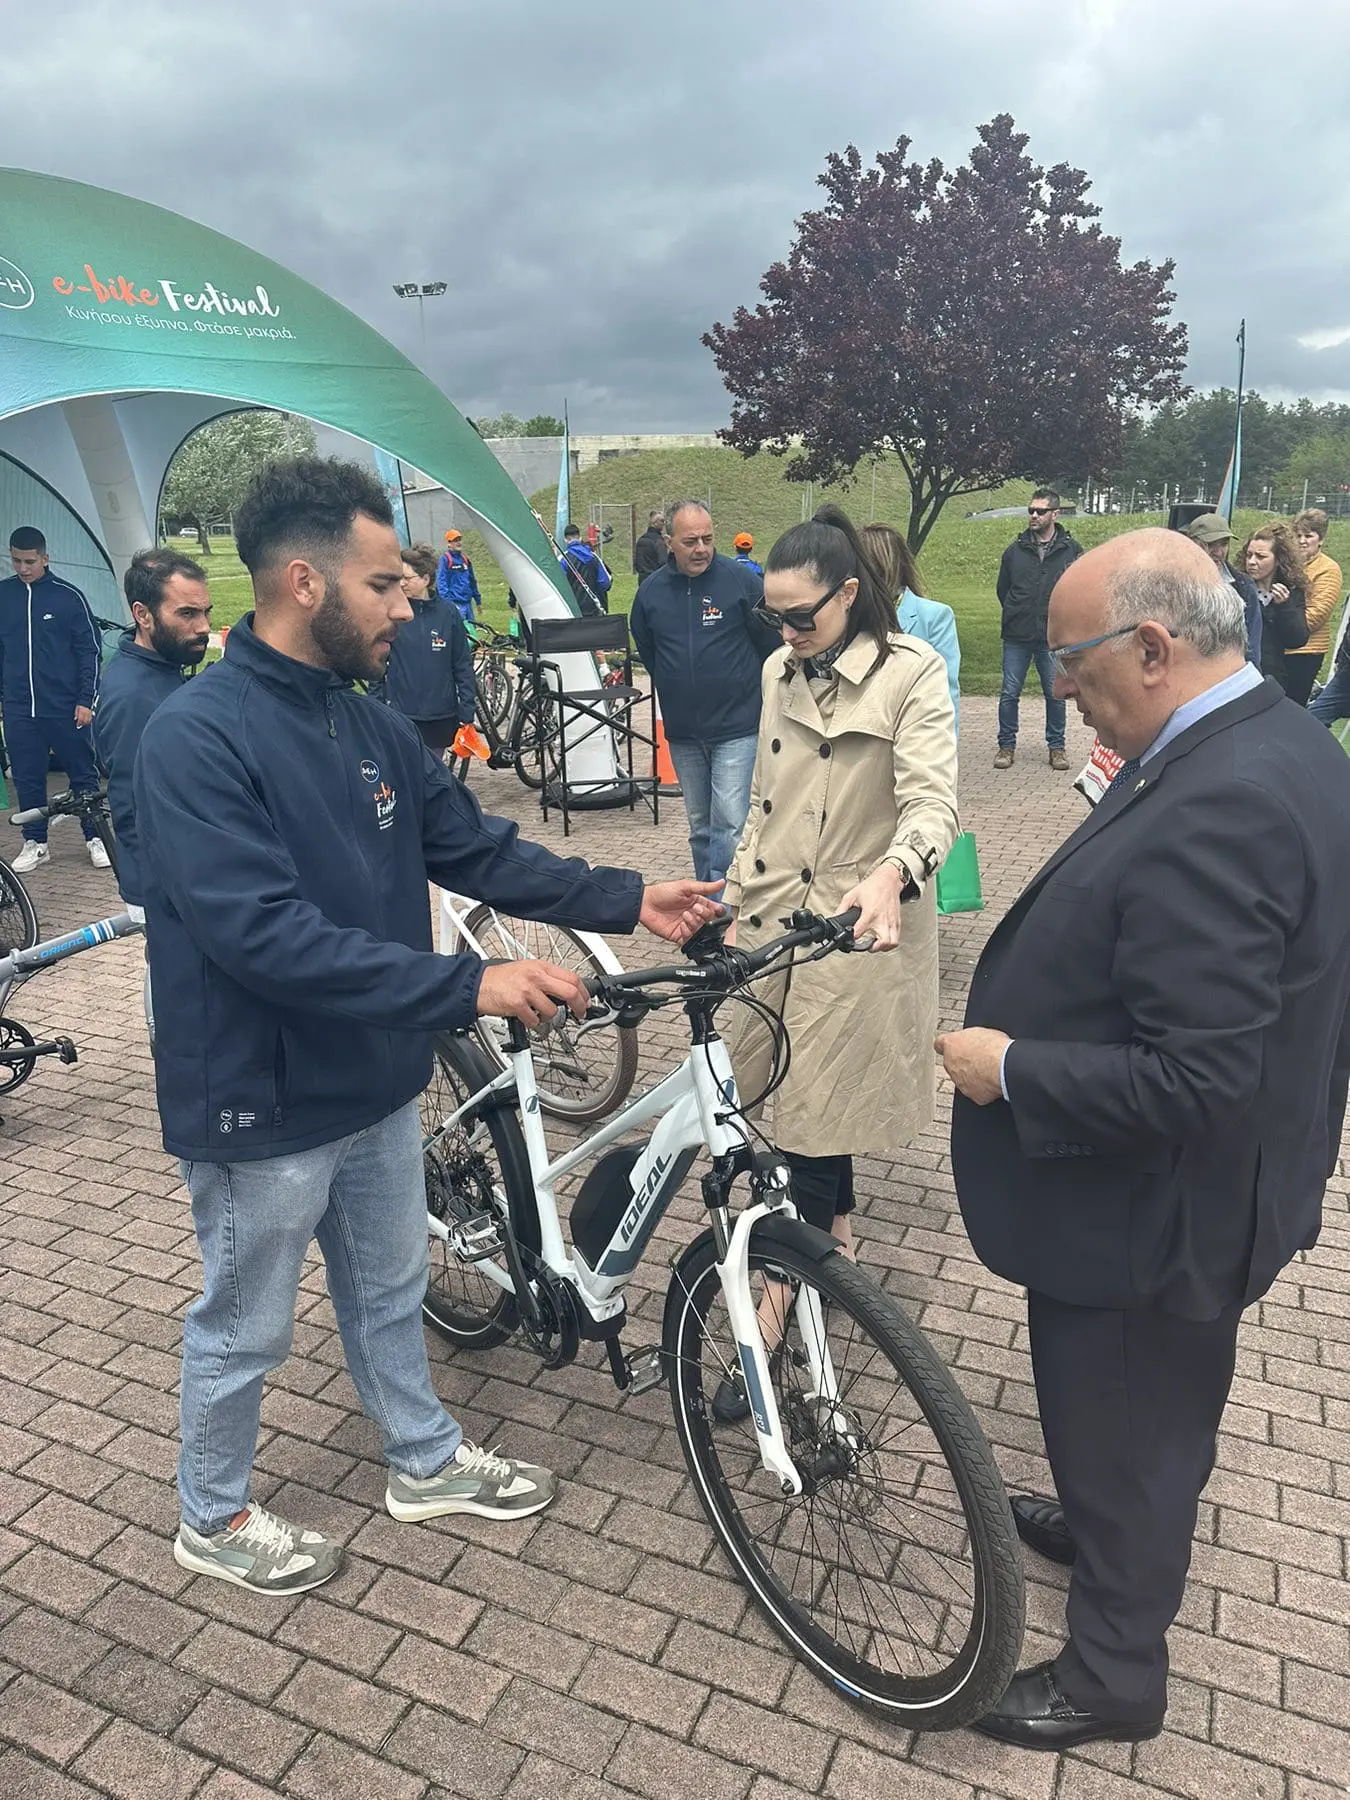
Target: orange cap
452, 537
743, 541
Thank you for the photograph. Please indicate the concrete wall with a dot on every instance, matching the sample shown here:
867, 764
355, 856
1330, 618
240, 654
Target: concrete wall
532, 463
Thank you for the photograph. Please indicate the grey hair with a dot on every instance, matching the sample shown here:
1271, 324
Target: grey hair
679, 506
1207, 613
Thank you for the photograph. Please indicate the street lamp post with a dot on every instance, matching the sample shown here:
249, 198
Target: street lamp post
421, 292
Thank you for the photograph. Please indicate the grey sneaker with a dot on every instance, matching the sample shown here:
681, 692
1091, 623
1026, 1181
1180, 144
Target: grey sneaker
475, 1481
265, 1553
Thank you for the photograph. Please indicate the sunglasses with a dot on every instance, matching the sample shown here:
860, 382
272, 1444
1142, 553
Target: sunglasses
796, 618
1039, 512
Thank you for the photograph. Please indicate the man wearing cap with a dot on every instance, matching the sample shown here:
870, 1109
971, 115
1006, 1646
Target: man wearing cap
1214, 534
744, 544
455, 579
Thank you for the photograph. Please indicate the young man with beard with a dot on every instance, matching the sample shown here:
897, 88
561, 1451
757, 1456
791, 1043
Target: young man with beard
289, 827
171, 623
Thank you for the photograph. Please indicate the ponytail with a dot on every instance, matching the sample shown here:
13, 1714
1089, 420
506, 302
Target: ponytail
831, 548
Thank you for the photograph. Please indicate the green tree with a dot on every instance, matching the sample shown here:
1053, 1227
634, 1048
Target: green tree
1323, 461
212, 470
543, 425
504, 425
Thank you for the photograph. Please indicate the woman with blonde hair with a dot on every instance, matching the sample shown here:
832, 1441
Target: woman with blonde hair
853, 803
1322, 592
1272, 559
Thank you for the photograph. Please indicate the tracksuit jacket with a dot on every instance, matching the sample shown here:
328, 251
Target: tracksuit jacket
456, 582
430, 673
288, 826
135, 684
49, 649
704, 649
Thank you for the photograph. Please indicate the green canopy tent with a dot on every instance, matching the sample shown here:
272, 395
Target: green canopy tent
123, 327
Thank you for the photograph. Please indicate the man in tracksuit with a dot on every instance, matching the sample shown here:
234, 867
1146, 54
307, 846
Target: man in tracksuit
455, 579
171, 613
703, 647
288, 829
1031, 566
49, 659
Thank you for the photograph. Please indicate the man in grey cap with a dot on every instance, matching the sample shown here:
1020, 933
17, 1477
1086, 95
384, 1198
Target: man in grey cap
1214, 534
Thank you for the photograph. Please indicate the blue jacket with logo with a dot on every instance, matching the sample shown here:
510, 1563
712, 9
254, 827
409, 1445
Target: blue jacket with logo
704, 648
49, 648
135, 684
456, 582
288, 827
430, 673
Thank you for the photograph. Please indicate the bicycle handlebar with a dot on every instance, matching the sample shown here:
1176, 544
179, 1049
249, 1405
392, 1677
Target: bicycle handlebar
728, 963
59, 806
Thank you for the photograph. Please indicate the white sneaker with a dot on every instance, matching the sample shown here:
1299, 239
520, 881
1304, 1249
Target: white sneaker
97, 854
30, 856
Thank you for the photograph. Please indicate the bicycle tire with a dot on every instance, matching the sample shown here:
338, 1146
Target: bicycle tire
493, 686
535, 729
479, 1165
581, 1079
18, 915
842, 1615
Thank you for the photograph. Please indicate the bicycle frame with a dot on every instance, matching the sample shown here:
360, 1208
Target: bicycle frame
21, 965
695, 1107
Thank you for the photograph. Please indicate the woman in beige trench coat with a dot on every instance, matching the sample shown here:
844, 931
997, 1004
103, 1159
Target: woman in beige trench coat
853, 804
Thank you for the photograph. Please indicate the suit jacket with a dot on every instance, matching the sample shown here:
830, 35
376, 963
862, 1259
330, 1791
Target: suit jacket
1176, 981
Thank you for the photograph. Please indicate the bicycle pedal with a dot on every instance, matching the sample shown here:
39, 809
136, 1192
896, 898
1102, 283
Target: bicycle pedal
476, 1239
66, 1050
646, 1369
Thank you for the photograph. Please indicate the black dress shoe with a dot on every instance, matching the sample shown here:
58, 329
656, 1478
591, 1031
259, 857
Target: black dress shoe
1035, 1715
1040, 1523
730, 1403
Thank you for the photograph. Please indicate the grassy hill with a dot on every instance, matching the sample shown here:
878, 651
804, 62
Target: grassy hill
959, 562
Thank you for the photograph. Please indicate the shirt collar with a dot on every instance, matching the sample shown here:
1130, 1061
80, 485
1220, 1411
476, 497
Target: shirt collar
1240, 682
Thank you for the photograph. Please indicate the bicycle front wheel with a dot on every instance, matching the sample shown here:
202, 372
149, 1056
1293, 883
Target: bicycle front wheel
18, 917
582, 1076
895, 1575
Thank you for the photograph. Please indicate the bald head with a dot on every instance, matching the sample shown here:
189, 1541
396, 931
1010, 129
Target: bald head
1143, 624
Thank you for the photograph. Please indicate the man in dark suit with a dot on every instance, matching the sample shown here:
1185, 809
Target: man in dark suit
1151, 1088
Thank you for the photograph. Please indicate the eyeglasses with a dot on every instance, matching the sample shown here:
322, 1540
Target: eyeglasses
1039, 512
1061, 657
796, 618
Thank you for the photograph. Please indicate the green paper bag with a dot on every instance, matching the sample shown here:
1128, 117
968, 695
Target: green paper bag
958, 880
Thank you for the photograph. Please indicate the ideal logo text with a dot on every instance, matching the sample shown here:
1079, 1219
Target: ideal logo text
643, 1199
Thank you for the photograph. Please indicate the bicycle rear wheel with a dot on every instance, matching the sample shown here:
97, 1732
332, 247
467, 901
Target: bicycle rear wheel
493, 686
476, 1166
581, 1076
895, 1575
534, 736
18, 916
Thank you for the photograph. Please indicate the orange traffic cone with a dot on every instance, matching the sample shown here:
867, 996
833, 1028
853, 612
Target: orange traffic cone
668, 780
470, 742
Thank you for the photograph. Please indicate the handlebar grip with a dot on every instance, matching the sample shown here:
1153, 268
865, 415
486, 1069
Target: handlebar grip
33, 816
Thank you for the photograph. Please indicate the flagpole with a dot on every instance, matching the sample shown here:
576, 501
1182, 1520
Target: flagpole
1237, 422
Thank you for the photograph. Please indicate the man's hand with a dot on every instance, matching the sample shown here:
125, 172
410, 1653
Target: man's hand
879, 898
84, 715
529, 991
973, 1059
676, 909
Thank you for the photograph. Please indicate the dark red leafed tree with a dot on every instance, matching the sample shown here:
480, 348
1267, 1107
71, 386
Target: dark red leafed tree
976, 322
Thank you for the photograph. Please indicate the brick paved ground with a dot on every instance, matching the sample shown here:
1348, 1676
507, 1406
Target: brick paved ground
601, 1649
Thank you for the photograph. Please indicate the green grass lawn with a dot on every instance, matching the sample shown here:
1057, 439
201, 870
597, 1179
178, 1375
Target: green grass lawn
959, 562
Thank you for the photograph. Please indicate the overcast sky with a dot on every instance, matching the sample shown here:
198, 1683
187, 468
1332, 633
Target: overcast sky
599, 181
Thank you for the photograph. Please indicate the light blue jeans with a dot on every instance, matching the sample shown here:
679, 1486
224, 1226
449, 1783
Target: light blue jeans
363, 1198
715, 780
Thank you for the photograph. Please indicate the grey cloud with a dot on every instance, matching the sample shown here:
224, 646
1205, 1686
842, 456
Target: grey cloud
599, 183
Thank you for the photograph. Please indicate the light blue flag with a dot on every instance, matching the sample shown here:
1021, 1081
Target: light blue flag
1228, 488
564, 513
390, 472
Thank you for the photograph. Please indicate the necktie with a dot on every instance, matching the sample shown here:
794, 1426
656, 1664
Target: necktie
1126, 772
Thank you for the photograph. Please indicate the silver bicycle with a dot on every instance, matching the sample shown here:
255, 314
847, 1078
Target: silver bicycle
858, 1501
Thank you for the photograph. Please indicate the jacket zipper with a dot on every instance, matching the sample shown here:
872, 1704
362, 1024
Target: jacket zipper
32, 691
328, 710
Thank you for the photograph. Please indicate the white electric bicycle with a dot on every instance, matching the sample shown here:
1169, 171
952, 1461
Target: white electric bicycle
857, 1497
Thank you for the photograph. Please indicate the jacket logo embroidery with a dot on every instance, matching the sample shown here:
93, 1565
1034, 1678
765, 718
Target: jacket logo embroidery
370, 771
385, 802
437, 641
712, 615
